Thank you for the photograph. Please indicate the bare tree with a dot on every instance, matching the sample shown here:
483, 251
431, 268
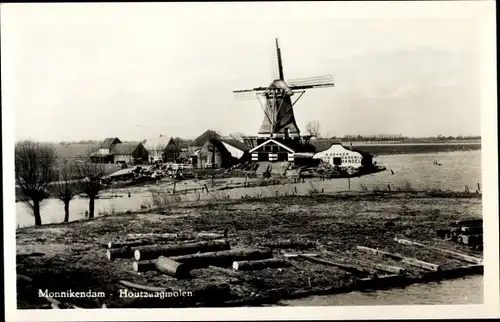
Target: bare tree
34, 172
90, 181
237, 136
313, 128
66, 188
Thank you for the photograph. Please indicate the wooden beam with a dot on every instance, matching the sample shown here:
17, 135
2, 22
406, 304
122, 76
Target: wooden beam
449, 253
381, 267
407, 260
259, 264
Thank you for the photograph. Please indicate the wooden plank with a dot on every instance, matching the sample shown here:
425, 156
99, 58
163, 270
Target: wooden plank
407, 260
347, 268
457, 255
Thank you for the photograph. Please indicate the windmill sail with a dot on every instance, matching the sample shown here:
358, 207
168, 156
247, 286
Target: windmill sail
279, 119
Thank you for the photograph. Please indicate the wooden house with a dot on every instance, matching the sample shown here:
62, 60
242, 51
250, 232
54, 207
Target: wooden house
162, 149
130, 153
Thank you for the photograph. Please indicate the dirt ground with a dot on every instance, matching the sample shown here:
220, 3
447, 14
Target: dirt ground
72, 256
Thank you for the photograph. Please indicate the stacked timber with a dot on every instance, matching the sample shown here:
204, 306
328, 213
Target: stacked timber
467, 232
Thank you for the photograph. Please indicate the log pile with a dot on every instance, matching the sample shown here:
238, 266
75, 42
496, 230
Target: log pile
467, 232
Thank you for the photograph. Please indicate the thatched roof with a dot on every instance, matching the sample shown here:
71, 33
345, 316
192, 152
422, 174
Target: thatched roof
125, 148
205, 137
157, 143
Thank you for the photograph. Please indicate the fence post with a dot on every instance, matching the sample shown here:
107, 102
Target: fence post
478, 187
349, 181
389, 186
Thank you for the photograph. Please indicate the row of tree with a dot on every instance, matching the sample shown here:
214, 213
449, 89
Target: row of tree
38, 177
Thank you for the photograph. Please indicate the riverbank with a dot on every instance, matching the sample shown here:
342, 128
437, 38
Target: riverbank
72, 256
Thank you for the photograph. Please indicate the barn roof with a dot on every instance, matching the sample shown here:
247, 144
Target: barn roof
108, 142
237, 144
206, 136
125, 148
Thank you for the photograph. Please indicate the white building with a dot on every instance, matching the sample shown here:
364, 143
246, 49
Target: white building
156, 147
338, 155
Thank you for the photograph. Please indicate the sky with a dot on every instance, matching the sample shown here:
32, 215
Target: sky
87, 71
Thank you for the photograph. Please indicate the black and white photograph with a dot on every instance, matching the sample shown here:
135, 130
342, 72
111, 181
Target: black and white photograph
334, 157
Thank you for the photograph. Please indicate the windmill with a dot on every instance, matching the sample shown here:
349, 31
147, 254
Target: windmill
279, 120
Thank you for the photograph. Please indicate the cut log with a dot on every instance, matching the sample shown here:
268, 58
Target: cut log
449, 253
387, 268
259, 264
130, 243
170, 236
144, 266
222, 258
376, 266
225, 271
407, 260
208, 235
171, 268
290, 244
299, 255
472, 240
421, 264
153, 251
143, 287
125, 252
468, 230
351, 269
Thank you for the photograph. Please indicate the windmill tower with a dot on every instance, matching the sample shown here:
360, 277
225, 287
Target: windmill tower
279, 120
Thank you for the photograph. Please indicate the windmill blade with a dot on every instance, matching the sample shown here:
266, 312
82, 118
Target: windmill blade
247, 94
256, 89
300, 87
310, 82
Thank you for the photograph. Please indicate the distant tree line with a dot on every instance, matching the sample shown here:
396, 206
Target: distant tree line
402, 138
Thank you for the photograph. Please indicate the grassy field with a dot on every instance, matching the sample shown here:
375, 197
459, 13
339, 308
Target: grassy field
72, 256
